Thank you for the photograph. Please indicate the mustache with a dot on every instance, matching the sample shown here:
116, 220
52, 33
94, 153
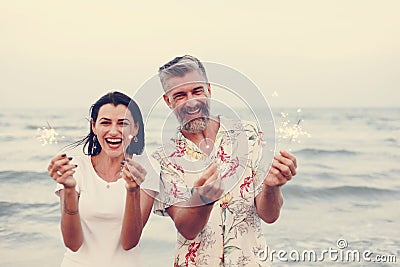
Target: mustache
202, 106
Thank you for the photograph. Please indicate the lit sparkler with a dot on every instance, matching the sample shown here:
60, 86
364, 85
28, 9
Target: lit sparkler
287, 130
47, 135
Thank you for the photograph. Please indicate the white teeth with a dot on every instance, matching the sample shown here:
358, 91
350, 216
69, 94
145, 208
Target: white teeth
114, 140
193, 111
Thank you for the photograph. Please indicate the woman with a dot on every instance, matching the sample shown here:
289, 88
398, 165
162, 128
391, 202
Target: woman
105, 200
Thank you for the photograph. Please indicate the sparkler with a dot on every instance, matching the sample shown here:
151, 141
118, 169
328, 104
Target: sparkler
47, 135
291, 131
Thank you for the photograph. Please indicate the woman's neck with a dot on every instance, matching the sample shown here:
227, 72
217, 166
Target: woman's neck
106, 167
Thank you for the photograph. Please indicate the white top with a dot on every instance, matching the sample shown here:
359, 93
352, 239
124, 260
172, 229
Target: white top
101, 209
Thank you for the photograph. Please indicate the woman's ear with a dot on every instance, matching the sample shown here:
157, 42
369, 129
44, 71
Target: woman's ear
93, 124
136, 129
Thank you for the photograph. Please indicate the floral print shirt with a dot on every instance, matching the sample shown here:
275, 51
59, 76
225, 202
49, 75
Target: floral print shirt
233, 235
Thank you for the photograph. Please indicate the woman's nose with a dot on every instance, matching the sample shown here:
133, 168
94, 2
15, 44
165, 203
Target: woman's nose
114, 129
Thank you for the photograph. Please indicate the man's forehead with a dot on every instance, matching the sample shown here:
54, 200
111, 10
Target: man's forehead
187, 81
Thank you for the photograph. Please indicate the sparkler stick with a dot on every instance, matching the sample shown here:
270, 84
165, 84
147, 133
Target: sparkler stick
292, 132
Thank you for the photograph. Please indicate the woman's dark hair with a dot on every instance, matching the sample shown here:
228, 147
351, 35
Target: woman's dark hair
115, 98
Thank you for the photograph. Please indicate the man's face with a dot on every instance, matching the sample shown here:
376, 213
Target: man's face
188, 96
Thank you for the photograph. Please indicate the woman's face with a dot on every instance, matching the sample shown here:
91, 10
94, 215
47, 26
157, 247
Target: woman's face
114, 129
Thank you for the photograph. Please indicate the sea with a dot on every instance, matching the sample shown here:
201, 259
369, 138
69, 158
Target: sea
342, 207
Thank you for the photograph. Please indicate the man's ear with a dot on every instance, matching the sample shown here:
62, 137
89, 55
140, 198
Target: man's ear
166, 100
209, 89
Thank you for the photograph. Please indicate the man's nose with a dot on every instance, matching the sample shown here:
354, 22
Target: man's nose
191, 102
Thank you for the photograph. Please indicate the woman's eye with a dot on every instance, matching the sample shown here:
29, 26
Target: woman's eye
124, 123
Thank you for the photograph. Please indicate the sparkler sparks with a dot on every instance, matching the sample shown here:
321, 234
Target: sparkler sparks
290, 131
47, 135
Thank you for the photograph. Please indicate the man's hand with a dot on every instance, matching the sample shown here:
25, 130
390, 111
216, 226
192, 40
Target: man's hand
191, 218
208, 187
269, 201
282, 170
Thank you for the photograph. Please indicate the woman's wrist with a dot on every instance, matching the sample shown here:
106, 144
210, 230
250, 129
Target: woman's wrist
132, 189
69, 188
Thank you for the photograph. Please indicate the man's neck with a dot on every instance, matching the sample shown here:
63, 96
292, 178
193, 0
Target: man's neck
202, 138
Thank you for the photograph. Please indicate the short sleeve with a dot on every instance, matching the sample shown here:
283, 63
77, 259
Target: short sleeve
258, 162
172, 186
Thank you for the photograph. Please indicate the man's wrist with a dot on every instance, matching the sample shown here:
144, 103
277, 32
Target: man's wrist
270, 188
207, 201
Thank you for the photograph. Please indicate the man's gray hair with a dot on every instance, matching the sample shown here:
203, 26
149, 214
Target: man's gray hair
179, 66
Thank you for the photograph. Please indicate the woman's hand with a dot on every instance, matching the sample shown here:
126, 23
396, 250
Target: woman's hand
62, 171
133, 173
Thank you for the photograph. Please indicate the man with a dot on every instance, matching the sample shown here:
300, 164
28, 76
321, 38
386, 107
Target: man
210, 186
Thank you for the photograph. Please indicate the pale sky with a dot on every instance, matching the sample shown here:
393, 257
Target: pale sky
313, 53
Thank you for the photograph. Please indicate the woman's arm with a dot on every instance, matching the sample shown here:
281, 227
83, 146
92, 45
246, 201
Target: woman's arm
138, 204
71, 227
62, 171
132, 224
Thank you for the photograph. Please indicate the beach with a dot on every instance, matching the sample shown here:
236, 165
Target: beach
344, 197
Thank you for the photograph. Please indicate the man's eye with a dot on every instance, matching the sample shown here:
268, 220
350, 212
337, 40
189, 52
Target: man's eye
179, 96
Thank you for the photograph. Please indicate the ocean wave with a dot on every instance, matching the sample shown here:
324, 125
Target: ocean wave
393, 140
300, 192
7, 138
321, 166
59, 128
22, 176
12, 208
320, 152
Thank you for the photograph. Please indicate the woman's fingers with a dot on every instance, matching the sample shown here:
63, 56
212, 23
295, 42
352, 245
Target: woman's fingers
133, 172
137, 166
62, 171
58, 165
130, 177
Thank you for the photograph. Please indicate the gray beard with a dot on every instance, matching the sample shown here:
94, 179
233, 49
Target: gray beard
196, 125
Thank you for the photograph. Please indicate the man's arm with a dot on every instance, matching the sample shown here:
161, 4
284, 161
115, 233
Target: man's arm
192, 215
269, 201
